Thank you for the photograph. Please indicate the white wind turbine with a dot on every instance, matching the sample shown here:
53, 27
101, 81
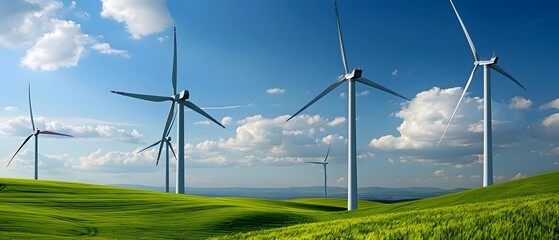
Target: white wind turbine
36, 133
324, 163
182, 100
351, 78
487, 132
168, 145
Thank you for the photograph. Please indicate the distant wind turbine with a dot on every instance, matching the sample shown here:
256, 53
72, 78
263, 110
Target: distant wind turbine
36, 133
324, 163
487, 131
168, 146
182, 100
351, 78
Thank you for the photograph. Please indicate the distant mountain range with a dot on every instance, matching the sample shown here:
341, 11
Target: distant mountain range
370, 193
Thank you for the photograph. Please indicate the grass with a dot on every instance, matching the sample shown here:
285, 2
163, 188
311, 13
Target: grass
59, 210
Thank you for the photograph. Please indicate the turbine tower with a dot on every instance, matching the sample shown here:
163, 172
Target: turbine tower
36, 132
180, 99
487, 131
350, 78
324, 163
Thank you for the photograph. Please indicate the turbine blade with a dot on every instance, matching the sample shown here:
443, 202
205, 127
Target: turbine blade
30, 109
172, 122
170, 145
501, 71
380, 87
327, 153
175, 62
340, 39
149, 146
24, 142
55, 133
166, 130
316, 162
459, 101
329, 89
144, 97
200, 111
465, 32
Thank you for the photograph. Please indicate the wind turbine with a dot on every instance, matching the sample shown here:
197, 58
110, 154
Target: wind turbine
36, 132
324, 163
487, 131
350, 78
168, 145
180, 99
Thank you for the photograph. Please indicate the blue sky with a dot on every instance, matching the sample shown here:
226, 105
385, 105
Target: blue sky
251, 64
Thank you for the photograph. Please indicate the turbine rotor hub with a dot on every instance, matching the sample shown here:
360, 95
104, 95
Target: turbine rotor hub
168, 139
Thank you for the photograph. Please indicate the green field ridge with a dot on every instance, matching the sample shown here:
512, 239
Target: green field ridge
63, 210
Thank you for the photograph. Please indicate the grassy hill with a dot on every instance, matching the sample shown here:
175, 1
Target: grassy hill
49, 210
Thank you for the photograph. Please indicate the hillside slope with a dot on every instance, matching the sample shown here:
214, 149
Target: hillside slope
49, 210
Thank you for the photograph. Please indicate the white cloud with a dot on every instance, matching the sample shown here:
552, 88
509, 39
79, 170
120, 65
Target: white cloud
362, 93
390, 160
275, 91
519, 175
22, 22
113, 161
439, 173
269, 141
340, 179
203, 122
21, 126
551, 121
475, 177
425, 117
460, 176
342, 95
105, 48
10, 109
63, 47
395, 72
55, 42
552, 104
337, 121
142, 18
163, 38
520, 103
226, 120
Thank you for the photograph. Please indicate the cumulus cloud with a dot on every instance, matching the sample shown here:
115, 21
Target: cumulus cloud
425, 117
21, 126
520, 103
203, 122
105, 48
10, 109
337, 121
519, 175
275, 91
269, 141
63, 47
552, 104
226, 120
439, 173
362, 93
112, 161
55, 42
551, 121
141, 18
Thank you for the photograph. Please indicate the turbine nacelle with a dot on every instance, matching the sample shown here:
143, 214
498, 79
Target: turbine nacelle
491, 61
183, 95
36, 132
168, 139
355, 74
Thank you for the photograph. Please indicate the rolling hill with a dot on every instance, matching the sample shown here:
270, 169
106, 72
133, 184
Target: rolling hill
59, 210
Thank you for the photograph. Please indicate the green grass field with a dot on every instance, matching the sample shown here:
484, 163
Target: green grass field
527, 208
